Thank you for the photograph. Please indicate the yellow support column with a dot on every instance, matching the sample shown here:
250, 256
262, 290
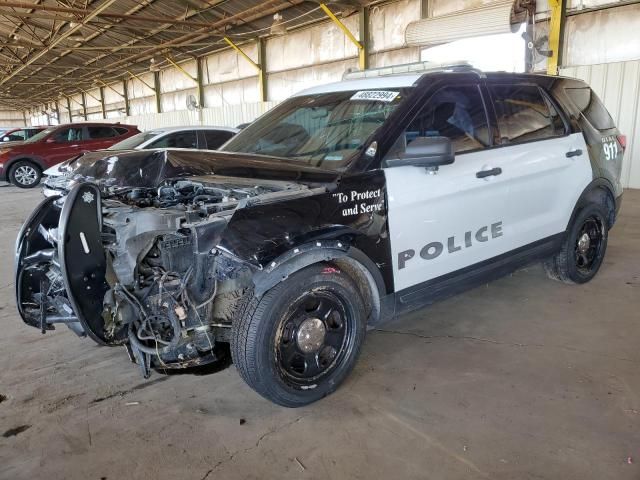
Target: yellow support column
555, 35
262, 86
362, 53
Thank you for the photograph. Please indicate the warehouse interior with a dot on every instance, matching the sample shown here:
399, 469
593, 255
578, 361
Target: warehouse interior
519, 378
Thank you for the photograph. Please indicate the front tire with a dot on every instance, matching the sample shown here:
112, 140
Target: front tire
583, 250
301, 339
25, 174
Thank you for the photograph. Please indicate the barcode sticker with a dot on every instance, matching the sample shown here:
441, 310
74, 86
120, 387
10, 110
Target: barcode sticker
375, 95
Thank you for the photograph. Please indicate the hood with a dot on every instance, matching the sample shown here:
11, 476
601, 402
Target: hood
150, 168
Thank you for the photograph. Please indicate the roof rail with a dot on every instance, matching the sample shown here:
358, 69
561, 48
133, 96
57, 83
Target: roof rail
408, 68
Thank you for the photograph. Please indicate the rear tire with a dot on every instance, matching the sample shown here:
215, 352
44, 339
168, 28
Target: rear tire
583, 250
25, 174
301, 339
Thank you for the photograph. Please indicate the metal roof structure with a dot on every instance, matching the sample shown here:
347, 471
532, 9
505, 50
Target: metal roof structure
50, 48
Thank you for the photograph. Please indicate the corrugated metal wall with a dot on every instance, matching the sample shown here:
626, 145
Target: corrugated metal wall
618, 85
225, 116
11, 118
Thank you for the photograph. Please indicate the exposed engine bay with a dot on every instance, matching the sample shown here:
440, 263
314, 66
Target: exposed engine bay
141, 267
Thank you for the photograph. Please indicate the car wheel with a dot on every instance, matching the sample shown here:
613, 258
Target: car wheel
584, 248
25, 174
300, 340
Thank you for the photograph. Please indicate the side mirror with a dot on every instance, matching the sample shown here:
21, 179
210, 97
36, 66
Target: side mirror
5, 139
429, 152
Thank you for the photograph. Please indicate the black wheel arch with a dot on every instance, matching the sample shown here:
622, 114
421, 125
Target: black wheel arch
340, 253
599, 191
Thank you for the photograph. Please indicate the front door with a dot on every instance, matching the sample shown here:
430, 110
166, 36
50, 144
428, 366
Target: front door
443, 221
63, 144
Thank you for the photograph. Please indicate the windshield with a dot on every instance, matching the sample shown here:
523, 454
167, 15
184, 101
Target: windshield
323, 130
39, 136
135, 141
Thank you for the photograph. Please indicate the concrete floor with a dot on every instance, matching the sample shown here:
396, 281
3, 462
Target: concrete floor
522, 378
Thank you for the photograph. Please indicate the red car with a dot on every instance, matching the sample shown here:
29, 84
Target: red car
23, 163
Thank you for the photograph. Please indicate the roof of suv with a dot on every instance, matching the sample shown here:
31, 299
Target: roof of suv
93, 124
400, 76
192, 127
388, 81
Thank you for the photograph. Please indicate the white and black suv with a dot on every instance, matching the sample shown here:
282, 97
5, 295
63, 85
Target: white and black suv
343, 206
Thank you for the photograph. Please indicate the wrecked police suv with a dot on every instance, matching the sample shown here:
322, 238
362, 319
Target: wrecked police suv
343, 206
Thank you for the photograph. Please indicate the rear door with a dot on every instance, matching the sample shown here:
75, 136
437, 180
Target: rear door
180, 139
101, 136
548, 167
216, 138
441, 222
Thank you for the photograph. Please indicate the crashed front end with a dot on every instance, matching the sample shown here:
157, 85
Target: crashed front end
140, 267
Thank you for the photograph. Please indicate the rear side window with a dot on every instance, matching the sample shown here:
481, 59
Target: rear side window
588, 103
17, 135
101, 132
68, 135
185, 139
215, 138
121, 130
524, 114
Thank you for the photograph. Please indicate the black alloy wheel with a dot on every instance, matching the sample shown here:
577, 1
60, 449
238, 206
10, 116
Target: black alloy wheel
314, 337
296, 343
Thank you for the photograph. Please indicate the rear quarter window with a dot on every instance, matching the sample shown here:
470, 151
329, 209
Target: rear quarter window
590, 106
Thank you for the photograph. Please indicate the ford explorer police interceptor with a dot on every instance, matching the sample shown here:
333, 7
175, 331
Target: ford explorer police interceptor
343, 206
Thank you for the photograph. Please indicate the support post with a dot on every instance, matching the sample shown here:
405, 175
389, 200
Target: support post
57, 110
364, 38
84, 105
69, 109
424, 8
262, 73
556, 34
125, 95
362, 61
102, 104
156, 89
200, 81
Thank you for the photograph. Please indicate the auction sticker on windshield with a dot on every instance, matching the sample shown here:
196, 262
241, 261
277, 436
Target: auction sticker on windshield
375, 95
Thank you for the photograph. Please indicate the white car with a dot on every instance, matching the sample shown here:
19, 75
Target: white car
200, 138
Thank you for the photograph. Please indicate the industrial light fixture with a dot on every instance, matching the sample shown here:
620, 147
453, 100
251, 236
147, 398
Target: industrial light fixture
153, 66
278, 28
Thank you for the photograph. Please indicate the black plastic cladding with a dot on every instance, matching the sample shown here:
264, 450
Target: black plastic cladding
82, 257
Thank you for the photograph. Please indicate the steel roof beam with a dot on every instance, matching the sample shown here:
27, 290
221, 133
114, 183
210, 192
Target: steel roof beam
103, 6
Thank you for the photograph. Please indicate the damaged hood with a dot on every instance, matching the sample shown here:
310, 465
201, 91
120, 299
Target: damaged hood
151, 168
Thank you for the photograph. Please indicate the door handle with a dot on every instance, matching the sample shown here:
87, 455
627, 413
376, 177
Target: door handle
489, 173
574, 153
